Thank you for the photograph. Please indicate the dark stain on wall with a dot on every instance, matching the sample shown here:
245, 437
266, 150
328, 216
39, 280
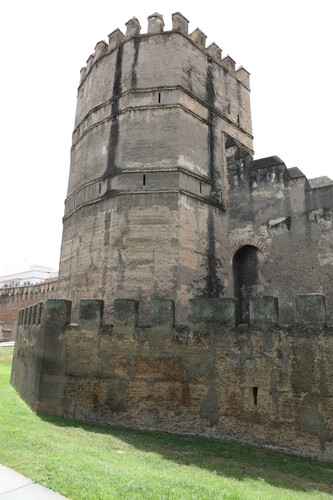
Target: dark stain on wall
210, 97
136, 42
106, 243
213, 286
211, 152
107, 226
189, 71
210, 91
246, 277
302, 376
285, 222
313, 422
114, 129
117, 395
209, 407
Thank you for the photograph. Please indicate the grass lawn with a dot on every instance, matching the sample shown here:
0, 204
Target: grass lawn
81, 460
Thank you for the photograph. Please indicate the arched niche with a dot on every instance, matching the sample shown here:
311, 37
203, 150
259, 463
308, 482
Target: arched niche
246, 278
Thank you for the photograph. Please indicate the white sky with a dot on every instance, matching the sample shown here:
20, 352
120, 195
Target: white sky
285, 45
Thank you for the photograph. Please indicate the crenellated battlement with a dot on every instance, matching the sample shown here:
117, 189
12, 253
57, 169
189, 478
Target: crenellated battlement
12, 299
271, 175
309, 310
156, 27
165, 200
148, 163
260, 384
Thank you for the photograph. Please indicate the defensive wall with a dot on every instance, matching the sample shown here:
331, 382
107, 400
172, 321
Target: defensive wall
286, 220
15, 298
263, 384
166, 205
5, 333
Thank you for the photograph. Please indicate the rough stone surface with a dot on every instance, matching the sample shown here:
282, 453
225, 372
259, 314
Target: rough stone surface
91, 312
168, 213
289, 225
163, 189
268, 387
16, 298
162, 313
5, 333
212, 311
145, 211
310, 309
264, 310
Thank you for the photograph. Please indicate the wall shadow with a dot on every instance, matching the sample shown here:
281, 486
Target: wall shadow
226, 459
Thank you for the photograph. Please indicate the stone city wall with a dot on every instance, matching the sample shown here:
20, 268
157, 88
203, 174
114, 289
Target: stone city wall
5, 333
261, 384
15, 298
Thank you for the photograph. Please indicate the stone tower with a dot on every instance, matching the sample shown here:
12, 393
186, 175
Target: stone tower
165, 201
148, 182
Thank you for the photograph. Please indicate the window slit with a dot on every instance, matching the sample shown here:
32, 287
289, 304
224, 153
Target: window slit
255, 395
144, 180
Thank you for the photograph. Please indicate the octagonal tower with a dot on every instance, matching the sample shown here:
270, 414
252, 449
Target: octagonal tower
147, 187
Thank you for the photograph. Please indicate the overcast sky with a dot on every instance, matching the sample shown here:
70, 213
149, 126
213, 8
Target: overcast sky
285, 45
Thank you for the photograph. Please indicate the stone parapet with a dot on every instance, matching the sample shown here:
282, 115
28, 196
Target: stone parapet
155, 23
264, 310
246, 383
310, 309
13, 299
5, 333
156, 27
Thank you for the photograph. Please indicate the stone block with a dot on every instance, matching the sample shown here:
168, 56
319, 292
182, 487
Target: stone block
100, 49
180, 23
216, 312
155, 23
199, 38
132, 28
82, 74
90, 62
214, 51
56, 315
162, 313
243, 76
229, 64
310, 309
125, 314
264, 310
115, 39
91, 312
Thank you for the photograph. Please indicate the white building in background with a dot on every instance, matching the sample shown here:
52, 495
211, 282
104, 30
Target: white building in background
35, 274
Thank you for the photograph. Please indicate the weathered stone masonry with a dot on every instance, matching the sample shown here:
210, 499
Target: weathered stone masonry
15, 298
260, 384
167, 207
163, 189
143, 214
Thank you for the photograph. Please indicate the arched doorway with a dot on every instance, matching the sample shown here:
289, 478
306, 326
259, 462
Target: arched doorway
246, 279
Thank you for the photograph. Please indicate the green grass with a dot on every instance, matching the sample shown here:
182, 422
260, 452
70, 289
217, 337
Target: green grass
88, 461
